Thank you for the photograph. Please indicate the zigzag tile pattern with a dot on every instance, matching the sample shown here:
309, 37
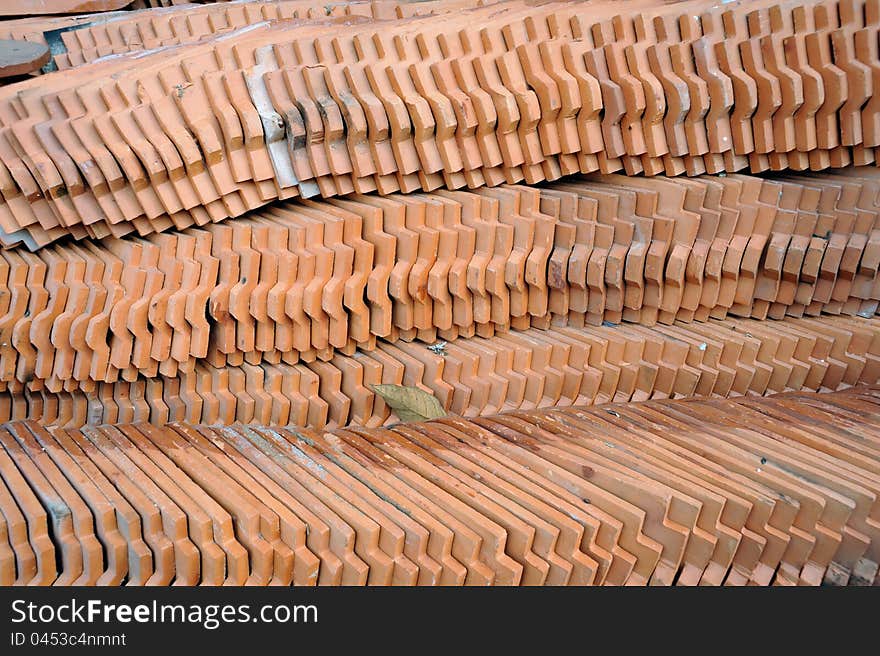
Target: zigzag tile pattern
77, 40
473, 376
508, 93
630, 250
308, 281
623, 494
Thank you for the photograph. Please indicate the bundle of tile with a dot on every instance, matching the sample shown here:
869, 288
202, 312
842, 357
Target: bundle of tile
307, 281
236, 235
76, 40
198, 132
626, 494
474, 376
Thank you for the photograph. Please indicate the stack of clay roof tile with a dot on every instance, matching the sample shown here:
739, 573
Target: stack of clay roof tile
252, 214
194, 133
34, 7
306, 281
473, 376
665, 492
75, 40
